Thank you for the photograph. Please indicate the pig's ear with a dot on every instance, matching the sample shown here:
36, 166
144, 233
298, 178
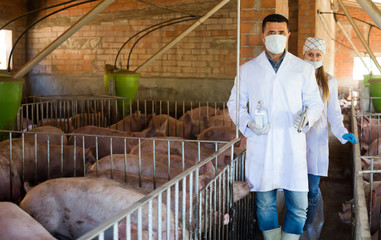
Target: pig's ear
364, 149
27, 187
163, 129
204, 179
135, 117
365, 121
365, 163
90, 154
210, 168
248, 184
187, 118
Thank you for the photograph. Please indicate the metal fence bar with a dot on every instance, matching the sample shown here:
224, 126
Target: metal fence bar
362, 229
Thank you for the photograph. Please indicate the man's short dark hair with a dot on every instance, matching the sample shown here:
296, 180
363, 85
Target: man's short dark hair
275, 18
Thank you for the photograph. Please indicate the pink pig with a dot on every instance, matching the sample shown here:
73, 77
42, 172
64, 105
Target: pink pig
86, 203
18, 225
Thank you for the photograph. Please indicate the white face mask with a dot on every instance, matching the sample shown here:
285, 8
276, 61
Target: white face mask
315, 64
275, 43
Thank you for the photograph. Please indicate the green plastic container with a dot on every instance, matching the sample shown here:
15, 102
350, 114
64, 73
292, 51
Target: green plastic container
10, 100
374, 84
126, 86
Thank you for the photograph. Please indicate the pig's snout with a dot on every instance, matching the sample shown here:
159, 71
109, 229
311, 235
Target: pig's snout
226, 219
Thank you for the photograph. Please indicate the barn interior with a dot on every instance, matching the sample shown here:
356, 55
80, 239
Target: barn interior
187, 51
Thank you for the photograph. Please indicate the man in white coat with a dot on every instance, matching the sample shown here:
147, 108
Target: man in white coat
276, 151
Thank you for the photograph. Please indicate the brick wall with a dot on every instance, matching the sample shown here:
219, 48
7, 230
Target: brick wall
10, 9
344, 55
306, 22
252, 14
209, 52
293, 21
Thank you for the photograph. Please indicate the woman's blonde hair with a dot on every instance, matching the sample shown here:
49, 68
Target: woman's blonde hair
322, 81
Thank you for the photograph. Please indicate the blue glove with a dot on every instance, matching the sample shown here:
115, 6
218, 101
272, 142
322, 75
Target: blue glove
350, 137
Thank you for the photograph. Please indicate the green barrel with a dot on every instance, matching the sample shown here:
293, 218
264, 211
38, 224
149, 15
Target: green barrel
10, 100
126, 86
374, 84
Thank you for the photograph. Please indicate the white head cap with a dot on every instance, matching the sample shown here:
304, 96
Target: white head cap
314, 43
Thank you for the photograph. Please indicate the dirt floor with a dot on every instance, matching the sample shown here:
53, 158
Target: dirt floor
336, 188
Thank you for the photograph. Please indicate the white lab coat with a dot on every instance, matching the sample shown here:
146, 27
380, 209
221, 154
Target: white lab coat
317, 136
277, 159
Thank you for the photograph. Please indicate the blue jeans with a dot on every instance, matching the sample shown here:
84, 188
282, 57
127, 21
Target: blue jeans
296, 203
313, 197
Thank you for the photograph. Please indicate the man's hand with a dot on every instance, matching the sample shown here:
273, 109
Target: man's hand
257, 129
298, 118
301, 120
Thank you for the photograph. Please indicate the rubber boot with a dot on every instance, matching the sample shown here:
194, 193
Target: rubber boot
311, 210
289, 236
273, 234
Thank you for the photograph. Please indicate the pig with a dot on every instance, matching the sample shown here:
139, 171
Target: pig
147, 166
133, 123
176, 161
61, 123
85, 119
18, 225
117, 142
26, 124
200, 112
186, 128
374, 148
366, 164
6, 192
220, 120
87, 202
132, 179
190, 148
57, 137
375, 213
29, 171
217, 133
241, 190
346, 217
376, 187
145, 233
346, 206
129, 178
370, 129
134, 232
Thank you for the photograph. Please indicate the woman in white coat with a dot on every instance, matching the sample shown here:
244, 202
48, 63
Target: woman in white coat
317, 137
